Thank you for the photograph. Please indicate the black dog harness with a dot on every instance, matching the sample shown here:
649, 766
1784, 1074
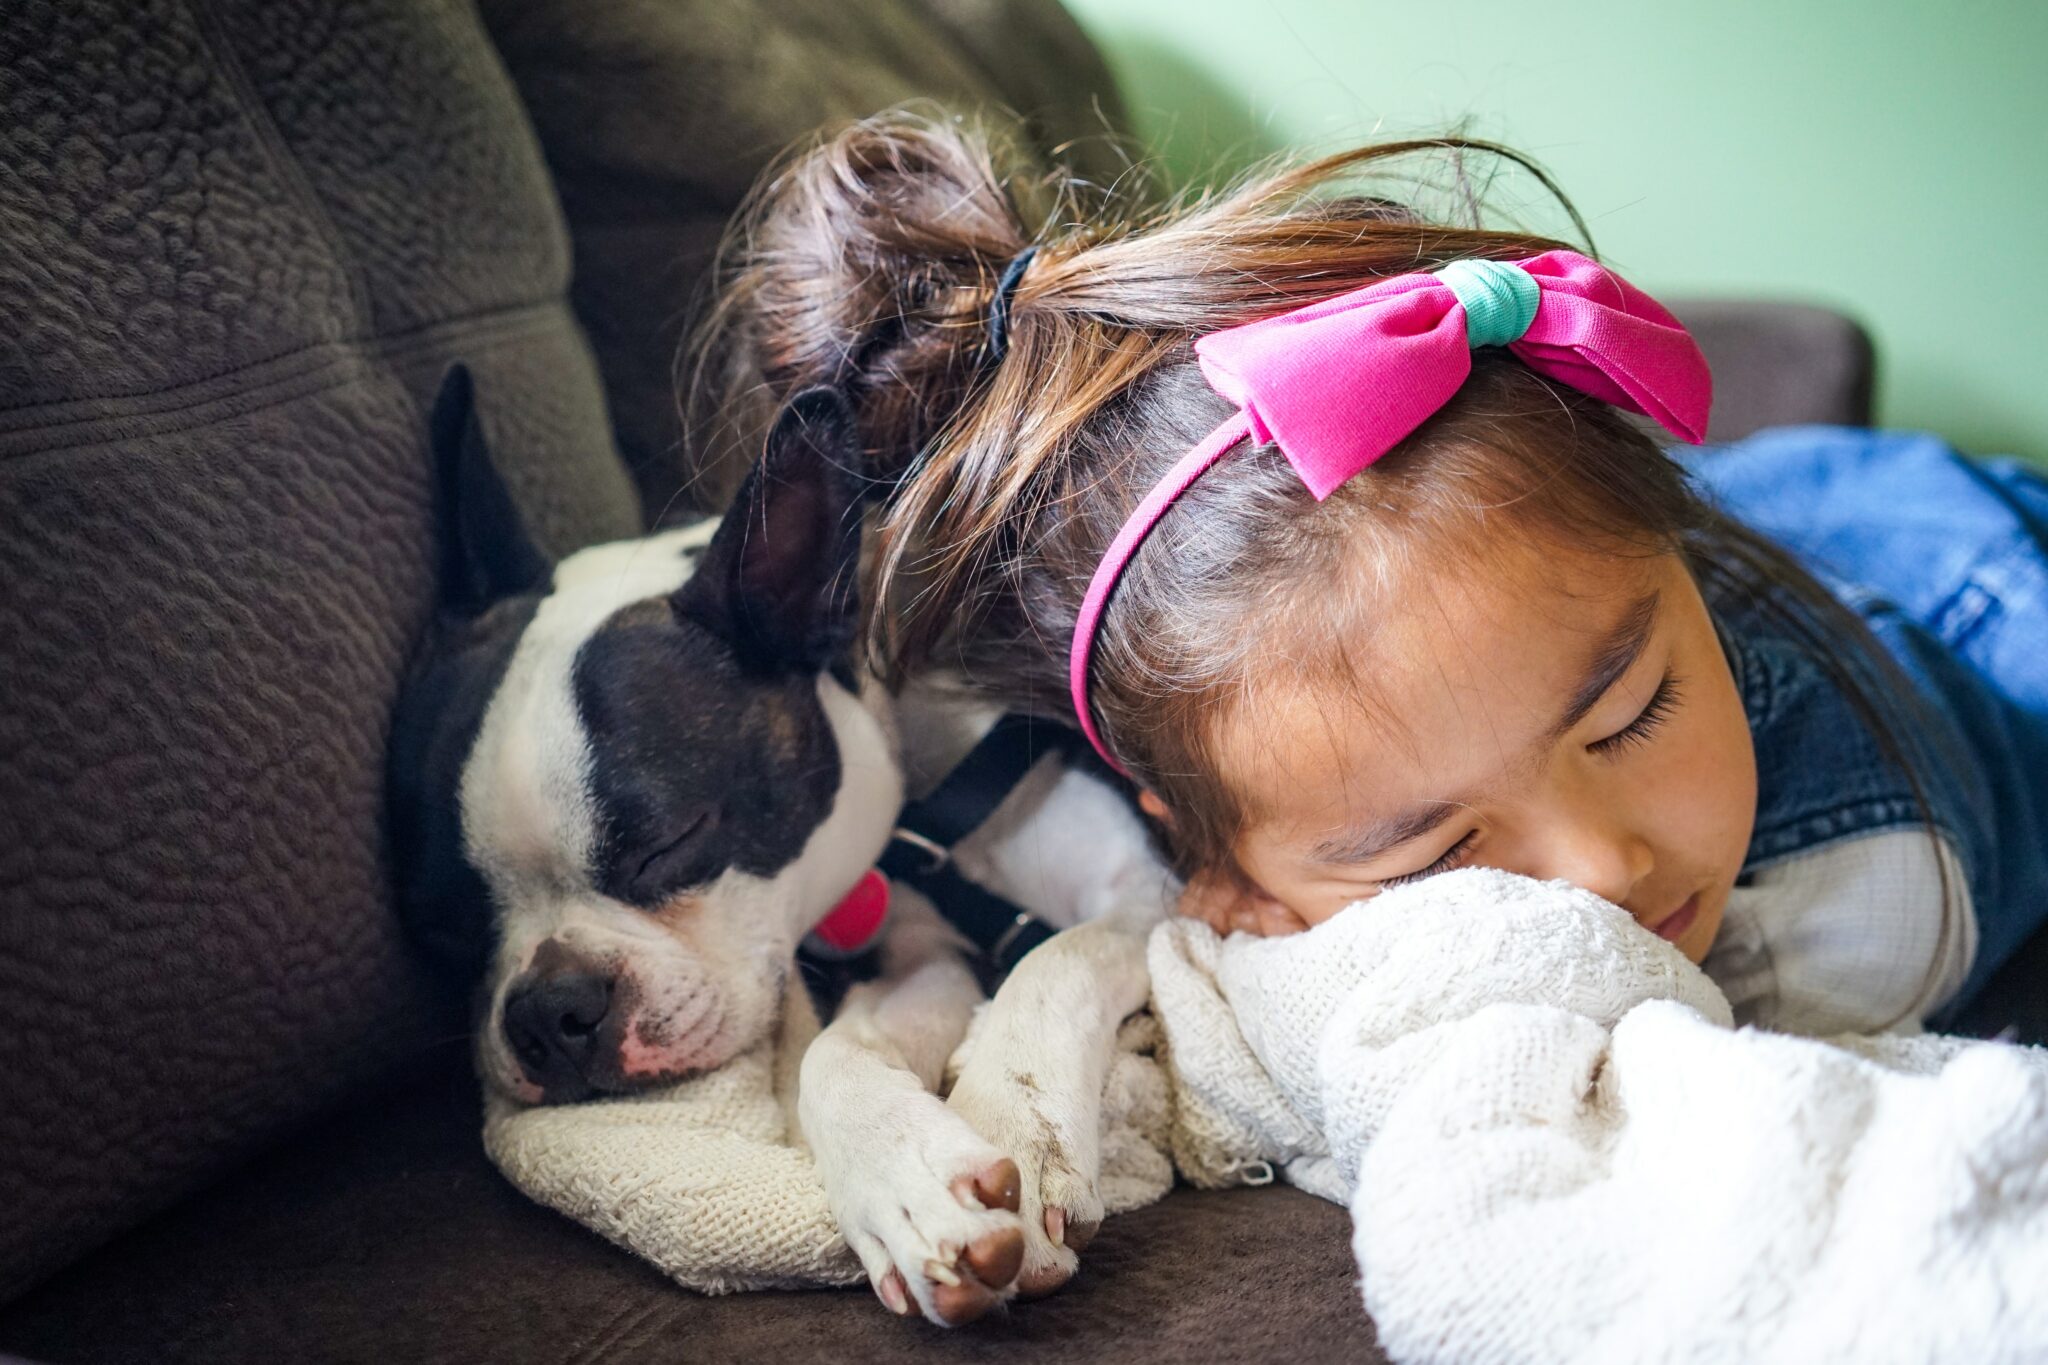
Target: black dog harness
841, 949
920, 853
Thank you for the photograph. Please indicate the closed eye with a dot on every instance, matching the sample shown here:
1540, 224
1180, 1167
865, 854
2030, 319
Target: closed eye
664, 869
1663, 702
1452, 856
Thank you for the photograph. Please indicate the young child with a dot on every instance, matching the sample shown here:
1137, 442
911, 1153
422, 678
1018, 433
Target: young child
1331, 528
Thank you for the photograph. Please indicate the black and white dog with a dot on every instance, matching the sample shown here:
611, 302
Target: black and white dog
625, 787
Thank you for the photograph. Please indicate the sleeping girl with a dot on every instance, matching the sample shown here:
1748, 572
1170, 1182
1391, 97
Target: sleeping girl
1341, 532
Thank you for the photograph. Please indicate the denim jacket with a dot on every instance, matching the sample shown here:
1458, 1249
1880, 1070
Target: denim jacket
1946, 561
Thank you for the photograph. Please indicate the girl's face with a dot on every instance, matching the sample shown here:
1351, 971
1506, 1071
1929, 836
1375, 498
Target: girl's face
1557, 713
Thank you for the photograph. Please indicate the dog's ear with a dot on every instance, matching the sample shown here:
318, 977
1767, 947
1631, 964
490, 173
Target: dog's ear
486, 551
780, 579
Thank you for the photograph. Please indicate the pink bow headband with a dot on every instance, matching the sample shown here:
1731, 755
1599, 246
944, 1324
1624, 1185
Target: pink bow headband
1339, 383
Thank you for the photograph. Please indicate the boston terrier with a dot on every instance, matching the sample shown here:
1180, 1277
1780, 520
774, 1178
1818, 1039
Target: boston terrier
625, 787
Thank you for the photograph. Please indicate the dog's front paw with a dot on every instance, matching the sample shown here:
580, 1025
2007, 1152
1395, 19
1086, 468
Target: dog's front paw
951, 1280
1056, 1141
931, 1210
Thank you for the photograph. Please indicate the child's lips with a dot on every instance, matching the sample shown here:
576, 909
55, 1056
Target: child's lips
1673, 926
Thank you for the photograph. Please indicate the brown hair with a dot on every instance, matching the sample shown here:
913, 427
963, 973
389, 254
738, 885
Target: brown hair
870, 260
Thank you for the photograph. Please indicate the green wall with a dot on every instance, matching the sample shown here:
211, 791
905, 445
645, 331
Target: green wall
1888, 158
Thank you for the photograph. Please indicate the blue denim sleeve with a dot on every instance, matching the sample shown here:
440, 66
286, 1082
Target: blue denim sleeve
1946, 559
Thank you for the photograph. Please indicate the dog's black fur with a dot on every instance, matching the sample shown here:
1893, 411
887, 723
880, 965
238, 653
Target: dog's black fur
709, 751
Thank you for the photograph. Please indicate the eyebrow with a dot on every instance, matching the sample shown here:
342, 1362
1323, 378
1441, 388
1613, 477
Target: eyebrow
1615, 655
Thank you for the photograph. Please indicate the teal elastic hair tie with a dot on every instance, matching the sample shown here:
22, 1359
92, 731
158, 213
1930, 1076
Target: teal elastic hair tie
1500, 300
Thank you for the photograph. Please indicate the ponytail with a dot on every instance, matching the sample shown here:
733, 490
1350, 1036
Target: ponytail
868, 261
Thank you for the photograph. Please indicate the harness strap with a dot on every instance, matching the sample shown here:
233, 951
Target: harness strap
981, 781
920, 854
1000, 928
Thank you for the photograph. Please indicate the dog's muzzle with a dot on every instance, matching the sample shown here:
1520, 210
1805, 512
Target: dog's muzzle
561, 1030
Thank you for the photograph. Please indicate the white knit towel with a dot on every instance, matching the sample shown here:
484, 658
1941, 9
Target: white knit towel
1555, 1148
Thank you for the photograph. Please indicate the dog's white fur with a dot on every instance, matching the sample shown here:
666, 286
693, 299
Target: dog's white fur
891, 1151
716, 963
1069, 849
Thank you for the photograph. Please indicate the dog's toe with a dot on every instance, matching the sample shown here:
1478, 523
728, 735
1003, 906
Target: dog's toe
974, 1282
995, 1186
996, 1257
1073, 1233
956, 1305
1051, 1260
1037, 1282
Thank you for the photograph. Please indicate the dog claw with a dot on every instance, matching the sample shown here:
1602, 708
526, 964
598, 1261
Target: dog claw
894, 1293
1075, 1236
940, 1273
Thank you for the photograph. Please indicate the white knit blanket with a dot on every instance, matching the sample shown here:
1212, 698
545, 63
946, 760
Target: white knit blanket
1553, 1145
1555, 1148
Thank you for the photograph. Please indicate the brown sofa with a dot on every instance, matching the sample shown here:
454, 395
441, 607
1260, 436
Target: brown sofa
239, 240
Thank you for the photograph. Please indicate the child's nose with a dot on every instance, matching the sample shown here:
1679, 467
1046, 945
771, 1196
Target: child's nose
1609, 868
1601, 852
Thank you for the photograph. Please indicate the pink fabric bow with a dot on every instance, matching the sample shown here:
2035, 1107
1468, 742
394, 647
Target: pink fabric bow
1339, 383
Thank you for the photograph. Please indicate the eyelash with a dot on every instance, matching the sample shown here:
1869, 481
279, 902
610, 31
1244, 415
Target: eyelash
1662, 703
1453, 855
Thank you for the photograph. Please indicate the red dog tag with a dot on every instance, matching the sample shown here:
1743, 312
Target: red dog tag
856, 922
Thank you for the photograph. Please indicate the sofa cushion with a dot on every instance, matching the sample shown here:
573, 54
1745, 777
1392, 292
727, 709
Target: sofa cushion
239, 242
384, 1235
1778, 364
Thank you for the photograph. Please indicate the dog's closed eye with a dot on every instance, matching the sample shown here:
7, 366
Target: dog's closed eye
681, 861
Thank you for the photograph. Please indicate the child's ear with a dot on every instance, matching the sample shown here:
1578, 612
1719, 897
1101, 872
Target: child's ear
1149, 802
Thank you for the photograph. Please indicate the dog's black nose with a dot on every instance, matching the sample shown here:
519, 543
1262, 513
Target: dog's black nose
552, 1023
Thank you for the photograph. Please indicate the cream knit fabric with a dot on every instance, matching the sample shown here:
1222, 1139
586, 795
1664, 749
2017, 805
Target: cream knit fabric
701, 1179
707, 1180
1554, 1148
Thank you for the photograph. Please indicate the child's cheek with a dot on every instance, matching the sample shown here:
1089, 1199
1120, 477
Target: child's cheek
1707, 791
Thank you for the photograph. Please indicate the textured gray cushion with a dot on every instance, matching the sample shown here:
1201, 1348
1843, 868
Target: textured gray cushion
1776, 364
387, 1237
657, 115
239, 241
